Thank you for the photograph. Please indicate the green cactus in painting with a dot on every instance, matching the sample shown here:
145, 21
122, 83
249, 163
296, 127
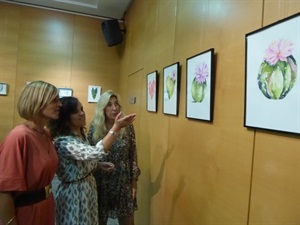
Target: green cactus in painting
94, 92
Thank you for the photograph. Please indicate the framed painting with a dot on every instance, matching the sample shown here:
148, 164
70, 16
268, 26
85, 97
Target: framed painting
3, 88
152, 91
272, 86
199, 86
94, 93
171, 89
65, 92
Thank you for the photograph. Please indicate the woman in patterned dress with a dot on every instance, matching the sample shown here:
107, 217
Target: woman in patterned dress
76, 195
116, 189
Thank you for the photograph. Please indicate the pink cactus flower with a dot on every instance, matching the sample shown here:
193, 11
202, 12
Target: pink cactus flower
201, 72
173, 75
278, 51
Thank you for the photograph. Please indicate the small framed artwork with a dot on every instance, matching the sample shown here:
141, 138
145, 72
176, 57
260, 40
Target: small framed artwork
272, 85
171, 89
3, 88
199, 86
152, 91
65, 92
94, 93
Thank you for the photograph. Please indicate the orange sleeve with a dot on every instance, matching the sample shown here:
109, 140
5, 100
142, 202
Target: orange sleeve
13, 159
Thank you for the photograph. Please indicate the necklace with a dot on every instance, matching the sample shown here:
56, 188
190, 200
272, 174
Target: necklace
37, 130
34, 127
43, 138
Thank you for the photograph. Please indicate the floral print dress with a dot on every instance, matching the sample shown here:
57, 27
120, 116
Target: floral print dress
76, 195
115, 188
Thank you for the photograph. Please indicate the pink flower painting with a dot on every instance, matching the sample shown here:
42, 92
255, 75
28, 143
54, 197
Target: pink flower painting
199, 85
278, 72
201, 73
278, 51
152, 88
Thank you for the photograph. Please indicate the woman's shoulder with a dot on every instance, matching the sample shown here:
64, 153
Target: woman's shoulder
20, 131
19, 134
63, 137
67, 139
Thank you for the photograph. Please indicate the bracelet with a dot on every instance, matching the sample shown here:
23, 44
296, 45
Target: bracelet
9, 222
112, 132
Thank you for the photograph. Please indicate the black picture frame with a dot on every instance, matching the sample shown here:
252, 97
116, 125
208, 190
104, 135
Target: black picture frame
152, 91
200, 86
171, 86
272, 82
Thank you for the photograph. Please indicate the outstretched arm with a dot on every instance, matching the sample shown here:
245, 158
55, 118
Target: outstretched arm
120, 122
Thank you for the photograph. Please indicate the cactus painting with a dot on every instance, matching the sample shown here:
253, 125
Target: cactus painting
278, 72
272, 85
200, 80
152, 91
94, 93
171, 89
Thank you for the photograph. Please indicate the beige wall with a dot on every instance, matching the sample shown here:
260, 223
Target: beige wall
63, 49
207, 173
193, 172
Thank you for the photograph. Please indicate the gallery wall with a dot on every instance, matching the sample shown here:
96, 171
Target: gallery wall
197, 172
193, 172
66, 50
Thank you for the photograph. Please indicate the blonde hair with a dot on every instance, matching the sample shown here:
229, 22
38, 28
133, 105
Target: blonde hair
98, 121
34, 96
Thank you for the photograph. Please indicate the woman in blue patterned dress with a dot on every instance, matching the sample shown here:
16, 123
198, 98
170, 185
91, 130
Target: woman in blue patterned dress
116, 189
76, 195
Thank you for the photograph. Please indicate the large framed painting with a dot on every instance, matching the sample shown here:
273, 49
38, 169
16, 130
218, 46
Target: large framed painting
152, 91
272, 86
199, 86
171, 89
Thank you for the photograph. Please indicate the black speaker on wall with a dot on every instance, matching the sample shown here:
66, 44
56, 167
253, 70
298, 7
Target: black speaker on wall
112, 33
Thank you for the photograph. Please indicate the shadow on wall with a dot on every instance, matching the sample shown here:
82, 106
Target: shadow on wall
156, 185
176, 194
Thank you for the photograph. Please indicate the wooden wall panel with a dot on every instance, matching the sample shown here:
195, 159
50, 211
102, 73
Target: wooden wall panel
63, 49
44, 48
132, 53
193, 172
8, 61
275, 186
93, 62
216, 151
207, 171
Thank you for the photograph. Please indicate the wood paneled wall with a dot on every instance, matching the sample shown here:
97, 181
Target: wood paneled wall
200, 173
63, 49
193, 172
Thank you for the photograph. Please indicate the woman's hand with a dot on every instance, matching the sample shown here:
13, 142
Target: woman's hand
134, 192
124, 121
106, 166
134, 188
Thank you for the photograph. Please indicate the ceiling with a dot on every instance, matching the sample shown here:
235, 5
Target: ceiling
104, 9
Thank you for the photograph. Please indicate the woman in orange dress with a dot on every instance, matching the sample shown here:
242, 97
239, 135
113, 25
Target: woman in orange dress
28, 160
